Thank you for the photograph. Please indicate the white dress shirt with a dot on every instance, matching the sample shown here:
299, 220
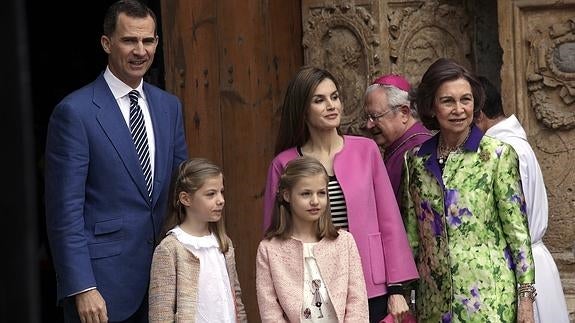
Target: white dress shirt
120, 91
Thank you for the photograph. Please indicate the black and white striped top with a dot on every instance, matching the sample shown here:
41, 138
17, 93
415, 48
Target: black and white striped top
337, 204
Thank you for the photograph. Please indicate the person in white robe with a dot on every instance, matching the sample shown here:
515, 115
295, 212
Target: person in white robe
550, 305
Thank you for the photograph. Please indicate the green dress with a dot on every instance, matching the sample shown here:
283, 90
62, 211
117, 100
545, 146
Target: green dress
468, 228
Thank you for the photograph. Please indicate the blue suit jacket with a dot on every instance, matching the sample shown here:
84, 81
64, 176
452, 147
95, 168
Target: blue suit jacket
100, 222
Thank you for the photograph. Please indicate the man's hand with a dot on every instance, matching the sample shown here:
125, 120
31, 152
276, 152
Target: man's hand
91, 307
397, 307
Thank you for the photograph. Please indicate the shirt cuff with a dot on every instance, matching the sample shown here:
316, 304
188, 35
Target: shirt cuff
82, 291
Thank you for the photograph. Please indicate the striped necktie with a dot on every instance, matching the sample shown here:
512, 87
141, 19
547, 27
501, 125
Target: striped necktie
138, 130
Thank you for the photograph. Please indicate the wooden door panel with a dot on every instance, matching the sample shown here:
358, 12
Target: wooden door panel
229, 62
192, 71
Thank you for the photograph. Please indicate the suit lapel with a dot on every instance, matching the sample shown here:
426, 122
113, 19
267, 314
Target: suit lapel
113, 123
161, 125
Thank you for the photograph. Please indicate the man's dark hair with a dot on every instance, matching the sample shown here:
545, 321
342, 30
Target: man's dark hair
131, 8
493, 107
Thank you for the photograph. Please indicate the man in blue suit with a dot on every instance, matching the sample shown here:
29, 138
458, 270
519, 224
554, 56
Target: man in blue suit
105, 203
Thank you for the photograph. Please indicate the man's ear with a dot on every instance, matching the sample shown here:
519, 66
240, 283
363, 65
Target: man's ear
481, 121
405, 113
105, 41
185, 198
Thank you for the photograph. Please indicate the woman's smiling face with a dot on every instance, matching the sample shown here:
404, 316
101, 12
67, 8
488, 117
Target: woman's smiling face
453, 107
325, 107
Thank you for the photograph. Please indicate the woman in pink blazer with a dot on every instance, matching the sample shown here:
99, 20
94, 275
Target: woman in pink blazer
307, 270
362, 200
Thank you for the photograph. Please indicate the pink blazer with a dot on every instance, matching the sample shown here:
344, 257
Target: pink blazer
373, 215
280, 272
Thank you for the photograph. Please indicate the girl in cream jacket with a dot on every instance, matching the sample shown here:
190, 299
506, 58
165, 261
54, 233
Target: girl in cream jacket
193, 276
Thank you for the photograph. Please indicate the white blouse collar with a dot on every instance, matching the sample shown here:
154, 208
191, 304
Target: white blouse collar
187, 239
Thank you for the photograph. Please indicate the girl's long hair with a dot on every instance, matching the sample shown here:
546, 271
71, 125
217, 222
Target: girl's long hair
282, 219
191, 176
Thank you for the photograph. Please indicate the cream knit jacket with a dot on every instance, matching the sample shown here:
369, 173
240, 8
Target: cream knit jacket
174, 283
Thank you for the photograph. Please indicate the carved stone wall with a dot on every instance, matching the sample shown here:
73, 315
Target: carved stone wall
551, 72
420, 32
538, 84
359, 40
345, 38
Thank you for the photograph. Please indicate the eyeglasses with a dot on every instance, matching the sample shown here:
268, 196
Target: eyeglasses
373, 118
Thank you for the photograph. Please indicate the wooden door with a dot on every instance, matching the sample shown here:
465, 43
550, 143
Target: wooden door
229, 62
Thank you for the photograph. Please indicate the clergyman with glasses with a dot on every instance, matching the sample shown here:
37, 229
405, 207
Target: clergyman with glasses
392, 123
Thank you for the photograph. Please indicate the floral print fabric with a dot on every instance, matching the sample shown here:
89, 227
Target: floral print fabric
468, 229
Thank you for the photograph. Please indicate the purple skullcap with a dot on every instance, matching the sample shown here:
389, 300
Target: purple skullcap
393, 80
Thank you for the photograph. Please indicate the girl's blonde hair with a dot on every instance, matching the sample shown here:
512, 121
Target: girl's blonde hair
282, 219
191, 176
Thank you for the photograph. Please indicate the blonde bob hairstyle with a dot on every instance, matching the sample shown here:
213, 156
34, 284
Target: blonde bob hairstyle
191, 176
282, 218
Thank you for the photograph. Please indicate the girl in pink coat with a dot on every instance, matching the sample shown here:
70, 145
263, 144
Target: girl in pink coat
307, 270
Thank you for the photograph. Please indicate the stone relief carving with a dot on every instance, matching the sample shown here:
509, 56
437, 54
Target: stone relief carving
421, 32
550, 73
538, 43
348, 38
344, 39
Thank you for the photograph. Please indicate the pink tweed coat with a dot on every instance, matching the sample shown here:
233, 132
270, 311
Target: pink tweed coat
280, 274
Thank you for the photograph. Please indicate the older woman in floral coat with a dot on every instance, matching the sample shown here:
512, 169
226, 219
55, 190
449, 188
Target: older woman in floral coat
464, 210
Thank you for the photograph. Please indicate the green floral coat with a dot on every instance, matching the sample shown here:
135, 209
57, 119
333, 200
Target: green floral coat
468, 229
